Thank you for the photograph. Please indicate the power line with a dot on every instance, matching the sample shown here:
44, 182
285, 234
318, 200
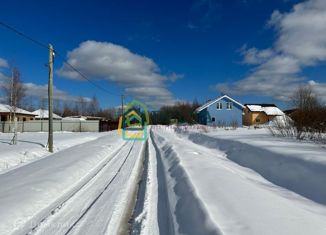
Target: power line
57, 53
24, 35
84, 76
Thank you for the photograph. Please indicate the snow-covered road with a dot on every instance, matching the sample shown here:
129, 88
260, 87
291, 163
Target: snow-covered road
85, 189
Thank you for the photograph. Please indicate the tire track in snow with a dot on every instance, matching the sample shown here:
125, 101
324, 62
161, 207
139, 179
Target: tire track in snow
101, 193
80, 188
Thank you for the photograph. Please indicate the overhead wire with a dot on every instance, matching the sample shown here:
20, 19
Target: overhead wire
43, 45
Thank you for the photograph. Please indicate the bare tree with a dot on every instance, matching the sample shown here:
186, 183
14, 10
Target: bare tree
304, 98
81, 104
14, 89
15, 92
68, 110
307, 121
93, 106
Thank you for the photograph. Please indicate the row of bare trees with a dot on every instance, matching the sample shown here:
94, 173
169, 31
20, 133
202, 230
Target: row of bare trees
308, 119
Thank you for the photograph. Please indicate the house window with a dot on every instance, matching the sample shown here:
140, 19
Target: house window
229, 105
219, 106
257, 120
213, 119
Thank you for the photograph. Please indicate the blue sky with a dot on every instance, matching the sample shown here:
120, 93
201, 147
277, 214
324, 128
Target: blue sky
166, 51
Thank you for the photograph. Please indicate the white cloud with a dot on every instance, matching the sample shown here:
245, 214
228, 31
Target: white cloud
255, 56
300, 43
3, 63
139, 75
41, 91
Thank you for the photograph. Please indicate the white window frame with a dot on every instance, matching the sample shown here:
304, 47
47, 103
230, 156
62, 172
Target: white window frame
219, 106
229, 105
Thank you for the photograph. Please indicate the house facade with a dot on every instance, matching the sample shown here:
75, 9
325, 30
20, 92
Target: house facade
223, 111
21, 114
257, 114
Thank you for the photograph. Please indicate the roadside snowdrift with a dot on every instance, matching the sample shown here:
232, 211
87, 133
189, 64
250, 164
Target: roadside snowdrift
301, 175
188, 214
235, 199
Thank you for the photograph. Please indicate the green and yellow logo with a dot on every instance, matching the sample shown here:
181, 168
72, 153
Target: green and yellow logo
134, 121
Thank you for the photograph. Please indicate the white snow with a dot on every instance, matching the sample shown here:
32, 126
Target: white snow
269, 110
32, 146
43, 113
273, 111
197, 181
208, 180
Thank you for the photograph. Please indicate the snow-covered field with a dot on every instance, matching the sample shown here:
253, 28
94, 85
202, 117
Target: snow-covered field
192, 182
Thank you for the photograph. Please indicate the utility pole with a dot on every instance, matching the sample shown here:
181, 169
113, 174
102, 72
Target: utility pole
13, 109
50, 94
122, 112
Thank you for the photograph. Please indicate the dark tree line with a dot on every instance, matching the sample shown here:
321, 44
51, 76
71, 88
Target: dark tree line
310, 115
307, 121
182, 112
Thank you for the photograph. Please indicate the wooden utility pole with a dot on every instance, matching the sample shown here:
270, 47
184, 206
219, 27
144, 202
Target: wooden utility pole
122, 112
50, 94
13, 109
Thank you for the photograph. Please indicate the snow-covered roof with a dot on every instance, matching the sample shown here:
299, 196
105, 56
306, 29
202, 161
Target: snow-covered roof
79, 118
255, 108
83, 118
43, 113
268, 109
216, 100
4, 108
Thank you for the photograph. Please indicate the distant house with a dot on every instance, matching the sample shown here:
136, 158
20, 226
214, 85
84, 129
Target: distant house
222, 111
255, 114
43, 114
21, 114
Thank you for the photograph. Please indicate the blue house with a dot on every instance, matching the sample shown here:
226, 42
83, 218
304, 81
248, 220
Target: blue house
223, 111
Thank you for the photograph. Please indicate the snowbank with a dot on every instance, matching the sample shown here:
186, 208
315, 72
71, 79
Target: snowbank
179, 209
298, 167
236, 200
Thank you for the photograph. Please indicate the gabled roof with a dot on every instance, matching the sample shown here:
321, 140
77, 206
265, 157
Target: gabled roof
4, 108
216, 100
269, 109
43, 113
